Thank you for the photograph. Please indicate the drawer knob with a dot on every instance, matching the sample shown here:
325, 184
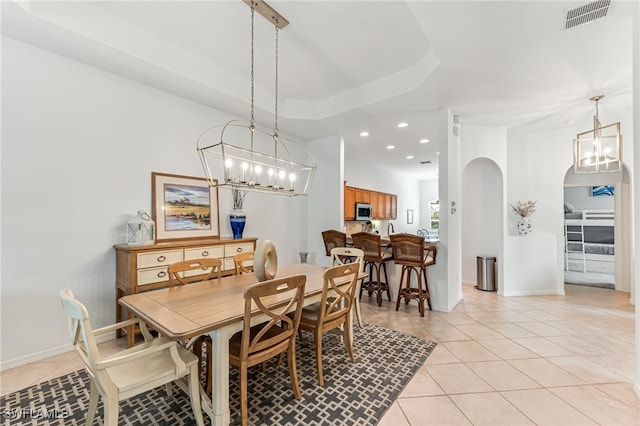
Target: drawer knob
162, 274
239, 249
161, 258
205, 253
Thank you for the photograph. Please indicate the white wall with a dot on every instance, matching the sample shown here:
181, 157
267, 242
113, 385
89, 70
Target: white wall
78, 148
445, 275
327, 200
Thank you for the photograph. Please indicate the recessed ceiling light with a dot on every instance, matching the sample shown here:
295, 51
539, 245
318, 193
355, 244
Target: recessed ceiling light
438, 153
390, 147
569, 122
424, 140
409, 157
403, 124
364, 134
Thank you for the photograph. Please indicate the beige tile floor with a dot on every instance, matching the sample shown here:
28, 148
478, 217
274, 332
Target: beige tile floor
535, 360
543, 360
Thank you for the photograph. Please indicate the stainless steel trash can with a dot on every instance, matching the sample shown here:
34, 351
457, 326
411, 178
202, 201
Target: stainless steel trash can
486, 269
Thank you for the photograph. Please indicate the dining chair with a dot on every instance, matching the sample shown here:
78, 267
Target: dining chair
254, 345
375, 257
333, 239
133, 371
190, 271
344, 255
239, 262
333, 310
415, 256
194, 270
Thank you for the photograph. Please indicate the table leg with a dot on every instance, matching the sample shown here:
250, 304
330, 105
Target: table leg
220, 377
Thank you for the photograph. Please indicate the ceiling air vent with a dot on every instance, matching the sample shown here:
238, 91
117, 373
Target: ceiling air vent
426, 162
586, 13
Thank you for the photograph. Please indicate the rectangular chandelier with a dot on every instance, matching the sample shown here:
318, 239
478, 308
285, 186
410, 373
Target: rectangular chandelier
240, 156
598, 150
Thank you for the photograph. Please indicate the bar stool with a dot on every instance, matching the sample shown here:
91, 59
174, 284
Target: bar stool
333, 239
415, 255
374, 258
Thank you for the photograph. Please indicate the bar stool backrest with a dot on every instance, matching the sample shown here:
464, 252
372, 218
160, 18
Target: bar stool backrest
333, 239
411, 250
370, 244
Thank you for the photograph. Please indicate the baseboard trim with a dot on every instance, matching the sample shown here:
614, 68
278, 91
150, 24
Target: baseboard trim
48, 353
533, 293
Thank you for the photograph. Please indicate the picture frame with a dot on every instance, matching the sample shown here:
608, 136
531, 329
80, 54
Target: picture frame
607, 190
183, 207
410, 216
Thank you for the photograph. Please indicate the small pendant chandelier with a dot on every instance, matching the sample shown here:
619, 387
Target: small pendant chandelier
598, 150
238, 155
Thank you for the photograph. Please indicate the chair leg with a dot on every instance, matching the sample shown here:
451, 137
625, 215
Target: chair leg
356, 301
348, 340
426, 285
244, 411
378, 285
194, 393
318, 344
293, 372
386, 280
400, 288
110, 411
93, 403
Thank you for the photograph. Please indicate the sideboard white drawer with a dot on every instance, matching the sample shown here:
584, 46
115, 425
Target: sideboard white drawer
228, 264
216, 252
231, 250
158, 258
152, 275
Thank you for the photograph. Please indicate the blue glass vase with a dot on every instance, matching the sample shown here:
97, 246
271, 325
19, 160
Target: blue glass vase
238, 219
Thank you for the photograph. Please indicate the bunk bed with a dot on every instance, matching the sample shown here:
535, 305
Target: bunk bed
589, 241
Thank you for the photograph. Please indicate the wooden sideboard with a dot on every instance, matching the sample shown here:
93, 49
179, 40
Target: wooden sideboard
144, 268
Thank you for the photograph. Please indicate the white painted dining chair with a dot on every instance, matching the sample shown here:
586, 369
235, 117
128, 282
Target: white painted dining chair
342, 255
122, 375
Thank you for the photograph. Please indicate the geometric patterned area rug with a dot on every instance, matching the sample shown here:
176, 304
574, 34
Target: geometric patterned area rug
357, 393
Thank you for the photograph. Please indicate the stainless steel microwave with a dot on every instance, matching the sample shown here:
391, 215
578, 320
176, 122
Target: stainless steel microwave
363, 211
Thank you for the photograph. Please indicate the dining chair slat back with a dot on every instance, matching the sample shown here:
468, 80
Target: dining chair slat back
256, 344
194, 270
333, 310
119, 376
243, 262
343, 255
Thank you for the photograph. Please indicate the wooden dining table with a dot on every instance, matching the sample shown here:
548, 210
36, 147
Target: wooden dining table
214, 307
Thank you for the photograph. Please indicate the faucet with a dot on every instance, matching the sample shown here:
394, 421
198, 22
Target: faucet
390, 228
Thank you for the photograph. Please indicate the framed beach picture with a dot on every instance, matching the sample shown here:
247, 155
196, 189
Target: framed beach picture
183, 207
602, 190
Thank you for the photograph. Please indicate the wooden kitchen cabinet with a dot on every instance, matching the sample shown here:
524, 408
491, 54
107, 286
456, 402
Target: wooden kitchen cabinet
384, 206
382, 203
144, 268
349, 203
363, 196
375, 210
394, 207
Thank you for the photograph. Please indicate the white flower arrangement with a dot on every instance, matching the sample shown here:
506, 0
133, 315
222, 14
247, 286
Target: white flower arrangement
524, 209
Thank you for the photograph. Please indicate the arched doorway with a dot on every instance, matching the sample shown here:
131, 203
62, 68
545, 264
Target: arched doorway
605, 232
482, 217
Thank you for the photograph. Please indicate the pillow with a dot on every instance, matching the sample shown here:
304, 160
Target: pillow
568, 208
